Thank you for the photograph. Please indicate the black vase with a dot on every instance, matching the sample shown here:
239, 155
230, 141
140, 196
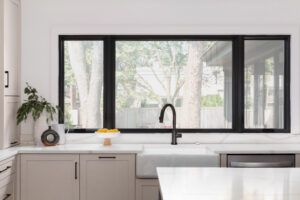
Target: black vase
50, 137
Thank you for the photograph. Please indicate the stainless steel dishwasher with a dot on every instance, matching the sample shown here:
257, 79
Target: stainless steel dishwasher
260, 160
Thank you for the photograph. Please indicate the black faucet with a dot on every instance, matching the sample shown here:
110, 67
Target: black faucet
175, 135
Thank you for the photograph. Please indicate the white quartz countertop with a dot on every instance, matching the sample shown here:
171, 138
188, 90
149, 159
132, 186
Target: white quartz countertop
209, 149
229, 183
254, 148
83, 148
159, 149
72, 148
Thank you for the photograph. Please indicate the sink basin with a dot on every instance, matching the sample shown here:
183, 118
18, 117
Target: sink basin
155, 156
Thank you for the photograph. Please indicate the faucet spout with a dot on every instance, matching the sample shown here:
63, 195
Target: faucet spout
175, 135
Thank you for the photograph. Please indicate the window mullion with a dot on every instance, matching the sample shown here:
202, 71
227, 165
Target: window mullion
238, 100
287, 77
61, 80
109, 83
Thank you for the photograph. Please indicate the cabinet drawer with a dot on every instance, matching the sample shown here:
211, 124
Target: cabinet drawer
7, 167
109, 157
7, 188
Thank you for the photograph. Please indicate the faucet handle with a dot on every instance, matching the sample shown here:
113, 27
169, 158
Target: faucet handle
179, 135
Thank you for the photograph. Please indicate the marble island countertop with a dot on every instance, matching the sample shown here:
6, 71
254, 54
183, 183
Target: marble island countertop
229, 183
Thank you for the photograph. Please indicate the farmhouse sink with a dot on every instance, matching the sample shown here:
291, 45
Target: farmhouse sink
155, 156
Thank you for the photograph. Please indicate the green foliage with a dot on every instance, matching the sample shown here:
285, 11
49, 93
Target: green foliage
211, 101
69, 75
68, 121
35, 105
135, 60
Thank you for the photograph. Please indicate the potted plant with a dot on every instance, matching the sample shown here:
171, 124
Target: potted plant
41, 111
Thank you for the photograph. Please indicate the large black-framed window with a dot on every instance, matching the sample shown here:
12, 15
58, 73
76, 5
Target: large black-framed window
259, 96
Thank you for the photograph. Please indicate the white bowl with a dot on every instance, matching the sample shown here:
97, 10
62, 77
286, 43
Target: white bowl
108, 135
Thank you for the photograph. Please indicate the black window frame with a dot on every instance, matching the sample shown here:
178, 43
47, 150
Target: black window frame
109, 70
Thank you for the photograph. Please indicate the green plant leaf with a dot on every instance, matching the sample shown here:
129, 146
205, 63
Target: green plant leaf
35, 105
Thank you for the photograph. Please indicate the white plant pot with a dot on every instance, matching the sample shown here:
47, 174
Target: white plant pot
40, 126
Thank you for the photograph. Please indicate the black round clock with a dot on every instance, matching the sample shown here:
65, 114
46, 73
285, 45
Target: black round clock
50, 137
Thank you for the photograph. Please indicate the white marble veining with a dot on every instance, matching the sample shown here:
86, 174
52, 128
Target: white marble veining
229, 183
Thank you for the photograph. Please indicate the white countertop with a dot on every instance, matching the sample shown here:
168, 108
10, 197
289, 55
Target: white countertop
229, 183
83, 148
254, 148
72, 148
184, 149
209, 149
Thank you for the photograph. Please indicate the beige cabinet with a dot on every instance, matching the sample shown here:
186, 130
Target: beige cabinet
7, 188
11, 61
107, 177
11, 135
9, 71
49, 177
8, 179
147, 189
297, 160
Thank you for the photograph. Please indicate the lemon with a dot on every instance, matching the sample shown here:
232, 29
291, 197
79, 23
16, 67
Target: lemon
105, 130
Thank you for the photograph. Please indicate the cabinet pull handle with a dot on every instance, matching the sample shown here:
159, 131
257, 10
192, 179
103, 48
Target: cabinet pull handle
76, 170
7, 79
15, 142
107, 157
6, 196
8, 167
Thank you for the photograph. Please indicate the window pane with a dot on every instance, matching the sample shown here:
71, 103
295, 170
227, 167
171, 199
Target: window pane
83, 84
264, 84
195, 76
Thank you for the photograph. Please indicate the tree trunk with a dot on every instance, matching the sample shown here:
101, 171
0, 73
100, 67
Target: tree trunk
88, 81
192, 86
95, 87
77, 61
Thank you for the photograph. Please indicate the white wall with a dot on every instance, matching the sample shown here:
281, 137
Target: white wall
44, 20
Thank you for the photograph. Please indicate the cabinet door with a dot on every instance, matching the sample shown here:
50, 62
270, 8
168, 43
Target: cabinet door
11, 46
147, 189
107, 177
7, 188
49, 177
297, 160
11, 134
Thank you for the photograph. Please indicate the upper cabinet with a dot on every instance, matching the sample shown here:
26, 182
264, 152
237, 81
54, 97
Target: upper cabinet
11, 46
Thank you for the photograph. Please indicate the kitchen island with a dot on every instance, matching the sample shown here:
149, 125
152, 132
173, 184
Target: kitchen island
229, 183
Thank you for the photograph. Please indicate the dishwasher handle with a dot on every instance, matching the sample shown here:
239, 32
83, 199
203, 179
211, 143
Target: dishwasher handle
239, 164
